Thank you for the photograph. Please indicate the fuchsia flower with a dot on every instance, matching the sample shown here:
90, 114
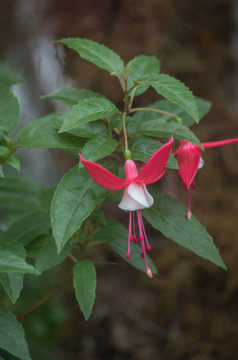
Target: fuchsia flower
189, 161
136, 196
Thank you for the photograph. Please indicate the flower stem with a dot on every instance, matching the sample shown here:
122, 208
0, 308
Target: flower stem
124, 130
45, 298
154, 110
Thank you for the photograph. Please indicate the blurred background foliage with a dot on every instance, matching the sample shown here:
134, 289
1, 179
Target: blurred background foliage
188, 311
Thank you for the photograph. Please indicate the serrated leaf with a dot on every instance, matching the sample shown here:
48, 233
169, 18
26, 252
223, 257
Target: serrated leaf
41, 133
174, 91
7, 75
9, 109
116, 235
84, 280
84, 131
96, 53
12, 337
71, 96
29, 226
87, 110
143, 147
142, 65
169, 217
99, 146
75, 198
12, 258
48, 258
163, 128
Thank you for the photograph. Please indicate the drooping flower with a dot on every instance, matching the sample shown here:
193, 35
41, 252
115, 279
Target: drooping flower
189, 161
135, 196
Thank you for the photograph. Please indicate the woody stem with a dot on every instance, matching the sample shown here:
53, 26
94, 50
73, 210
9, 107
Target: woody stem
45, 298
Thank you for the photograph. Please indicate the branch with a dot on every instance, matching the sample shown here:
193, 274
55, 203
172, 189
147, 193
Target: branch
45, 298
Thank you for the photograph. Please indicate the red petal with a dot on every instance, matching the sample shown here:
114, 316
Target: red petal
219, 143
103, 177
154, 169
188, 161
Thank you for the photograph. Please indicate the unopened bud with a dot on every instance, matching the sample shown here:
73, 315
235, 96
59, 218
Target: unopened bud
179, 120
127, 154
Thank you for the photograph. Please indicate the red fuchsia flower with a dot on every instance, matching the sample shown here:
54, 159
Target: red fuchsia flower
136, 196
189, 161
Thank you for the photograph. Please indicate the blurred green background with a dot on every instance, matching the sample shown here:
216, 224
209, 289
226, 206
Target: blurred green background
189, 311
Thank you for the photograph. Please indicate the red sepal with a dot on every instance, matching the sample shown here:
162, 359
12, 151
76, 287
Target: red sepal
154, 169
211, 144
103, 177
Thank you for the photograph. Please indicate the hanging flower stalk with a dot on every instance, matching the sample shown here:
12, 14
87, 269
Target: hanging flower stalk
136, 196
189, 161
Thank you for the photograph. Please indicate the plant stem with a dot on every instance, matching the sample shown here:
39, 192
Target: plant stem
45, 298
124, 130
154, 110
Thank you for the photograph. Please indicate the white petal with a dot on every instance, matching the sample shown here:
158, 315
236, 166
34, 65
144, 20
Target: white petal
128, 203
149, 198
136, 191
201, 163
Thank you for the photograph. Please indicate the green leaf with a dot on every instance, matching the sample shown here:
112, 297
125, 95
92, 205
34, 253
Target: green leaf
143, 65
9, 109
88, 110
29, 226
98, 147
169, 217
166, 105
41, 133
14, 161
143, 147
115, 122
71, 96
12, 337
1, 172
174, 91
163, 128
75, 198
8, 76
36, 245
85, 131
3, 151
48, 258
98, 54
84, 280
204, 107
12, 284
18, 196
12, 256
116, 236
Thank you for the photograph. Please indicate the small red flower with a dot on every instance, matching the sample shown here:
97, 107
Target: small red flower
136, 196
189, 161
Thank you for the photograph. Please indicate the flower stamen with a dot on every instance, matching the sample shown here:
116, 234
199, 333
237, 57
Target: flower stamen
142, 242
